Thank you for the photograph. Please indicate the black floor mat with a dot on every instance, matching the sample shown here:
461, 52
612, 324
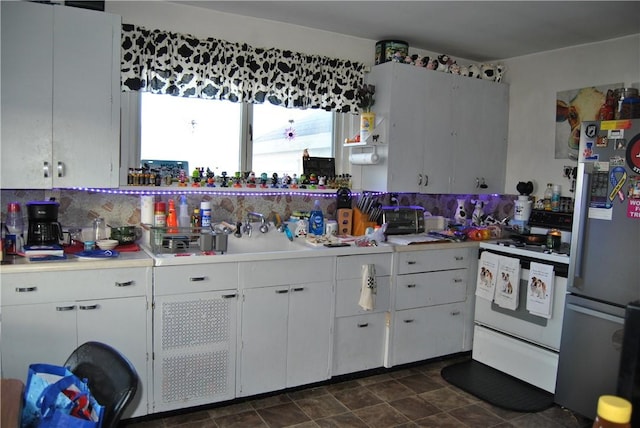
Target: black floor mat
497, 388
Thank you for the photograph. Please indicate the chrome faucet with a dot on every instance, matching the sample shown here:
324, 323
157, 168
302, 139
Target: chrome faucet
264, 227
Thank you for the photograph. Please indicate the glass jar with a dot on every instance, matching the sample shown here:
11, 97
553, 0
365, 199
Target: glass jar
99, 229
554, 239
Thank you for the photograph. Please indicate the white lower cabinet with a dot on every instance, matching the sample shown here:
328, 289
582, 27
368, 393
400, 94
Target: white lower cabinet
428, 332
194, 326
45, 316
360, 336
287, 312
431, 294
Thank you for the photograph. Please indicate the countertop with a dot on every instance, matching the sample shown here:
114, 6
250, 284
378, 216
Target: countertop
144, 258
18, 264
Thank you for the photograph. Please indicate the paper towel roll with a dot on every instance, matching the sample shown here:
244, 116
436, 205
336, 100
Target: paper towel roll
364, 158
146, 209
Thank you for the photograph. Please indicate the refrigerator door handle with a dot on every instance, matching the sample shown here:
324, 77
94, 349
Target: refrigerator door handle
592, 313
583, 201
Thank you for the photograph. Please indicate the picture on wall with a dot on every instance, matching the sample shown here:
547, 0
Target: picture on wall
572, 108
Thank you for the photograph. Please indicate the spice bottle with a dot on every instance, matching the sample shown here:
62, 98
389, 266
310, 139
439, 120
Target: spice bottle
160, 214
548, 194
613, 412
555, 198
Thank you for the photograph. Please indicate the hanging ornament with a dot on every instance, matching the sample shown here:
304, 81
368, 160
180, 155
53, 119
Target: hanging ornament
290, 132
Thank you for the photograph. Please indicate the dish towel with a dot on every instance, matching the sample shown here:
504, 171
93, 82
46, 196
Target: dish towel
540, 289
487, 273
508, 283
368, 287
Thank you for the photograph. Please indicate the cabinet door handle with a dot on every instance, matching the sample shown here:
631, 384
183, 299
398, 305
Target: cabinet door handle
65, 308
457, 280
298, 289
362, 325
282, 291
411, 286
45, 169
125, 284
197, 278
426, 180
454, 313
419, 179
60, 169
458, 258
26, 289
408, 321
88, 307
229, 296
411, 262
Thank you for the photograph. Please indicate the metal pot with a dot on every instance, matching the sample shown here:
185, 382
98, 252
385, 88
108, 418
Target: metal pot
125, 234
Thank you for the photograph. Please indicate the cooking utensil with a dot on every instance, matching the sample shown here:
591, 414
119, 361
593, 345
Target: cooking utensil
529, 238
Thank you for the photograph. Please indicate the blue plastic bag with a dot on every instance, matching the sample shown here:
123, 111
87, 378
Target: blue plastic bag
55, 397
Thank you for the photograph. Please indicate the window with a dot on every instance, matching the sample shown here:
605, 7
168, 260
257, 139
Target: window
209, 134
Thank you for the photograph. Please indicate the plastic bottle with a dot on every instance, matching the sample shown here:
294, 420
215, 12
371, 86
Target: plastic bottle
195, 220
184, 219
613, 412
555, 198
316, 220
205, 214
548, 194
15, 228
172, 217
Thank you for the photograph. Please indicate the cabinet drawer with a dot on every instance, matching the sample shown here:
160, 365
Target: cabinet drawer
359, 343
349, 267
283, 272
424, 261
42, 287
419, 334
348, 295
431, 288
195, 278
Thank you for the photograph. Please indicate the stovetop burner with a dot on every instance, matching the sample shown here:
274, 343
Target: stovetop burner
538, 248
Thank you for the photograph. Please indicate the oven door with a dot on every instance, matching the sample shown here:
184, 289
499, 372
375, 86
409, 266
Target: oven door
520, 323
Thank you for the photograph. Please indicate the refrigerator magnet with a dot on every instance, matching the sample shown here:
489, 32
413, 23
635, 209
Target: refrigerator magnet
633, 154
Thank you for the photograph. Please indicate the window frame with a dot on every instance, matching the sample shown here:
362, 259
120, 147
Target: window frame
344, 125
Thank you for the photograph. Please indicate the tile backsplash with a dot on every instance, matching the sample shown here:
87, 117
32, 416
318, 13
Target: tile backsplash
80, 207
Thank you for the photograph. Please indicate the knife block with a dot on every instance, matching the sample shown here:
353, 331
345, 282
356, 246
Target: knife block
361, 222
345, 221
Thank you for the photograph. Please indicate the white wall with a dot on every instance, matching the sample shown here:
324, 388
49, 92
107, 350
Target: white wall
534, 79
534, 83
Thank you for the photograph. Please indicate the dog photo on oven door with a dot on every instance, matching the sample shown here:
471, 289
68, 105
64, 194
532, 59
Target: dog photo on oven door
506, 287
538, 288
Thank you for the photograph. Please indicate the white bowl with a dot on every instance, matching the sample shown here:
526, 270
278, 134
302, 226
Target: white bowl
107, 244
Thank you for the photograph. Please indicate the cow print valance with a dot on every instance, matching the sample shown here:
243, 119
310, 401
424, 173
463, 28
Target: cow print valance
177, 64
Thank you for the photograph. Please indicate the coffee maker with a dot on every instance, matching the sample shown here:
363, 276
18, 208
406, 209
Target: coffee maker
44, 228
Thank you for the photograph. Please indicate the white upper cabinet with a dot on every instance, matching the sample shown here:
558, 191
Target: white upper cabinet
60, 97
445, 133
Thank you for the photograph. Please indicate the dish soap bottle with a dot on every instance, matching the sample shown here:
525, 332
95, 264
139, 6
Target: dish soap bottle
316, 220
184, 219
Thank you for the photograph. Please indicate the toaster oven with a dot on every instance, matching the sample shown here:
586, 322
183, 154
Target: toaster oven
403, 220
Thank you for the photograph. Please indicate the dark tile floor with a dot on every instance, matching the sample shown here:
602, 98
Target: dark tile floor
415, 396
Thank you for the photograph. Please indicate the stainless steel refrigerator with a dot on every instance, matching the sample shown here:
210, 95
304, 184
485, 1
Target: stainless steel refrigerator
604, 272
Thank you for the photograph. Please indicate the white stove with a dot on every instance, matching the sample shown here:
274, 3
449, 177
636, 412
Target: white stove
518, 342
